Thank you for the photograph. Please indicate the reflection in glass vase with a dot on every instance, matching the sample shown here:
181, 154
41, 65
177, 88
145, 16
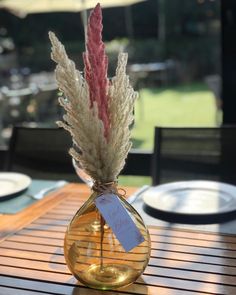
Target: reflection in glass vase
81, 173
95, 225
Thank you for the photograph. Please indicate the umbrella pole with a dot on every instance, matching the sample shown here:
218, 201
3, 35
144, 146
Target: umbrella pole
84, 22
129, 22
84, 18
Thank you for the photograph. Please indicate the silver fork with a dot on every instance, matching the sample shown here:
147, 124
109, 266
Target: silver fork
46, 190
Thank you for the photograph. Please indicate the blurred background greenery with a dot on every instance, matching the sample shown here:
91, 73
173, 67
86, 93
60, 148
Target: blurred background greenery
184, 30
186, 105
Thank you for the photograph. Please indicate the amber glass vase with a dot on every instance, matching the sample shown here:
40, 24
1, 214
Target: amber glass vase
95, 256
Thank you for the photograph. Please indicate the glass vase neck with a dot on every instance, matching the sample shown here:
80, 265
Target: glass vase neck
105, 187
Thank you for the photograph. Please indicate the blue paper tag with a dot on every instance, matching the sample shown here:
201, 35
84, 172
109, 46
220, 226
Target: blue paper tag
117, 217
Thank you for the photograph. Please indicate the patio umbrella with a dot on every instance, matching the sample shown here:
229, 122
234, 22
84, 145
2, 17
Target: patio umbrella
23, 7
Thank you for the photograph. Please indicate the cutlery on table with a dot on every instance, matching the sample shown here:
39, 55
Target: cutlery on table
43, 192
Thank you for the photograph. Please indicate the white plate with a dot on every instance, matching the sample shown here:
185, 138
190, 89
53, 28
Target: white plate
192, 198
12, 183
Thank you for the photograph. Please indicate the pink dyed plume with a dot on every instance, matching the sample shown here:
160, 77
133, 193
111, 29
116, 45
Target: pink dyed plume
96, 64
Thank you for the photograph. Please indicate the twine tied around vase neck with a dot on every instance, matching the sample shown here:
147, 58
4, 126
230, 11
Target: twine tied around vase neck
108, 187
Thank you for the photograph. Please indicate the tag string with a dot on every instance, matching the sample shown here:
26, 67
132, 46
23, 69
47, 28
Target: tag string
108, 187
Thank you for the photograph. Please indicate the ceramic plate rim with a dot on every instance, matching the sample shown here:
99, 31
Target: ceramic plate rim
162, 188
24, 182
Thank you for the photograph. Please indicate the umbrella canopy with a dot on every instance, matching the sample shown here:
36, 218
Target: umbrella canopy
23, 7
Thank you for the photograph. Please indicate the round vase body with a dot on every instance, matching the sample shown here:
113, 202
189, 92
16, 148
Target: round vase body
95, 256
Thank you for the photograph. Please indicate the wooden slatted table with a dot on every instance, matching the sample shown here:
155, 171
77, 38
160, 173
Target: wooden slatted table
182, 261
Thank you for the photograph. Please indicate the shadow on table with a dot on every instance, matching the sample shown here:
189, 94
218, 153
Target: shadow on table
140, 284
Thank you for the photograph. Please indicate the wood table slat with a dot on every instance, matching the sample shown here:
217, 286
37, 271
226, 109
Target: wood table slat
182, 261
160, 231
161, 254
40, 256
32, 247
156, 247
67, 289
161, 262
169, 232
51, 221
189, 234
17, 291
45, 227
67, 217
176, 273
154, 238
157, 281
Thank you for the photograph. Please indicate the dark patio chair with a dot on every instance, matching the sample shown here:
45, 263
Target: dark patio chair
138, 163
194, 154
42, 153
46, 103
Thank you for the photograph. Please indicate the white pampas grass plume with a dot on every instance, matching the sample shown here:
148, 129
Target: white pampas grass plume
102, 158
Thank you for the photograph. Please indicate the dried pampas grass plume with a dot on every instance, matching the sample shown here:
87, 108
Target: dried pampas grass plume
99, 126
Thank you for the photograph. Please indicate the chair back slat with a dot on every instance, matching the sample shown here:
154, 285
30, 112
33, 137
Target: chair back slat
43, 153
194, 153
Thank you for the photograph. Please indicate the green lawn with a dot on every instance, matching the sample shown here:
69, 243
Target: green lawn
189, 105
